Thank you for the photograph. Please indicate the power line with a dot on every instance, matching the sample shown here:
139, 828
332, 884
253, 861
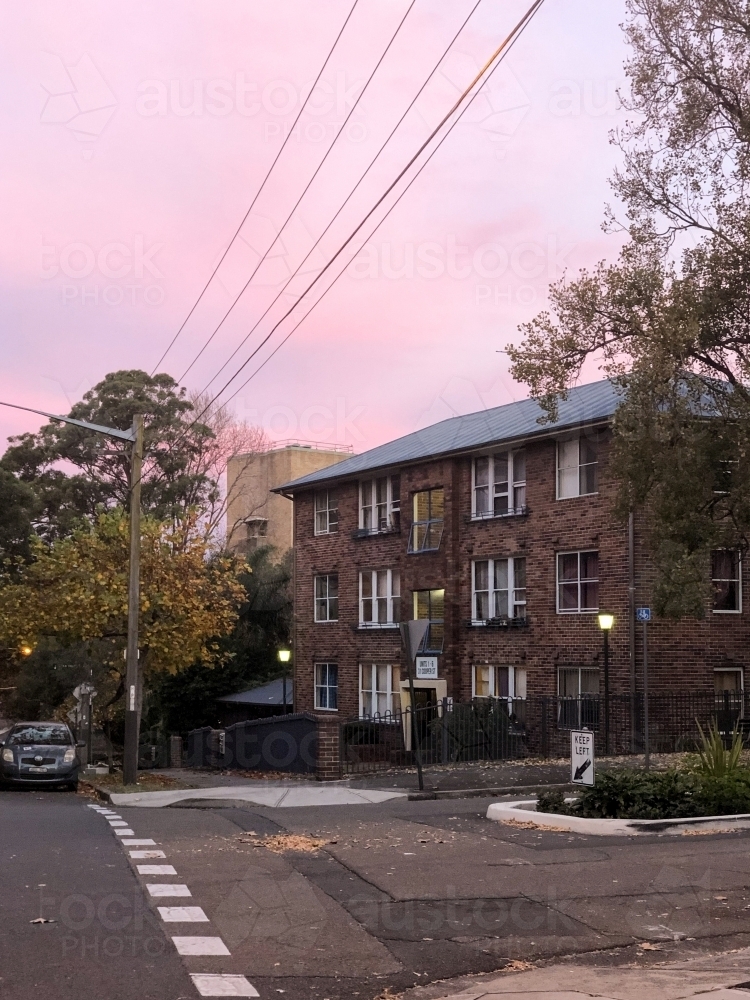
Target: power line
260, 189
346, 201
304, 192
516, 31
374, 230
498, 55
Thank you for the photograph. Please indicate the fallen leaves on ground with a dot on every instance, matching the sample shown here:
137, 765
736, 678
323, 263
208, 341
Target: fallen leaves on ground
522, 825
280, 843
517, 965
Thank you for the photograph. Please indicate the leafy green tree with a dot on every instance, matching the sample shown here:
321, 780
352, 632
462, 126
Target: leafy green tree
179, 703
18, 505
670, 320
176, 477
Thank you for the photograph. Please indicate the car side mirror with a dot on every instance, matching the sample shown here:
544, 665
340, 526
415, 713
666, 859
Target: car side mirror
80, 743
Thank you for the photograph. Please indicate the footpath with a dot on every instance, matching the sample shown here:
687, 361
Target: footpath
714, 977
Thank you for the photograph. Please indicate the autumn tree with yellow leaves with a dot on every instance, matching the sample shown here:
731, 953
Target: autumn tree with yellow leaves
75, 589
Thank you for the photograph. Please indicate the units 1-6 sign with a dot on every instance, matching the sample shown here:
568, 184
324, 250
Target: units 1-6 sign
582, 758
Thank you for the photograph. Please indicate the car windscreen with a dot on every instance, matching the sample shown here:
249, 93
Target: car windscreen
57, 736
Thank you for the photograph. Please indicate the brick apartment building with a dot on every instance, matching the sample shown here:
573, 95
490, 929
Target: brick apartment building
499, 530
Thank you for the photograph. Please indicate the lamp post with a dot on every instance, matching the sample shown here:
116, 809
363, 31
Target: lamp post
284, 656
606, 621
134, 437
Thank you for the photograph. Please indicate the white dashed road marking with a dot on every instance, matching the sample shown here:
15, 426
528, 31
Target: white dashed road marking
207, 984
182, 914
165, 890
200, 946
223, 986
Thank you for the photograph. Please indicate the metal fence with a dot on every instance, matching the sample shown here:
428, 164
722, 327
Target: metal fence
495, 729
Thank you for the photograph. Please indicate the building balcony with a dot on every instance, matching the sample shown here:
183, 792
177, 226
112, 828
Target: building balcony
388, 529
512, 512
501, 622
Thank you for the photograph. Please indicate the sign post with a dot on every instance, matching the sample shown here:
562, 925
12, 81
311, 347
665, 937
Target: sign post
643, 615
582, 762
412, 636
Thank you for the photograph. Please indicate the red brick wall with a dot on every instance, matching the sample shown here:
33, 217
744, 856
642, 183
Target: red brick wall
682, 656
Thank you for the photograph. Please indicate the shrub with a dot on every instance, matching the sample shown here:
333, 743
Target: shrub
714, 759
722, 795
673, 794
552, 801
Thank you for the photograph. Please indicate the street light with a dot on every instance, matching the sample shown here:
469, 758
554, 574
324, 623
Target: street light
284, 656
606, 621
133, 436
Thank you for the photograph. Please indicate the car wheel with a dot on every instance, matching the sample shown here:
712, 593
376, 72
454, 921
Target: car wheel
72, 786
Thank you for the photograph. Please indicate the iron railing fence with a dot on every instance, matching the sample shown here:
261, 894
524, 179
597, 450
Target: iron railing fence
496, 729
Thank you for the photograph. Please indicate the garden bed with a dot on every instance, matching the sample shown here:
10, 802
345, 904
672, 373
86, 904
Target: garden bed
524, 813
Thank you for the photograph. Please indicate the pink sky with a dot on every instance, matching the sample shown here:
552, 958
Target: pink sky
136, 136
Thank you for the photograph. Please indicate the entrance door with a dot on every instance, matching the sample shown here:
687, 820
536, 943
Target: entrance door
425, 703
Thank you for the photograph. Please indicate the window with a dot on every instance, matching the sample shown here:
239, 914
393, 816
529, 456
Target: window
430, 604
499, 484
728, 679
499, 589
578, 698
327, 686
379, 690
380, 504
326, 513
726, 577
327, 598
577, 582
577, 468
379, 598
490, 681
427, 523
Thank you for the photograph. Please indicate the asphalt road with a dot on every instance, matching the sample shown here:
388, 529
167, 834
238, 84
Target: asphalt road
61, 862
397, 895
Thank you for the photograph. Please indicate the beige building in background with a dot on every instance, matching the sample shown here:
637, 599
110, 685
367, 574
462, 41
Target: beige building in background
255, 516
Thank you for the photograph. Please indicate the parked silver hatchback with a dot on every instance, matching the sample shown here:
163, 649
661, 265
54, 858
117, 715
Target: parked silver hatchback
39, 753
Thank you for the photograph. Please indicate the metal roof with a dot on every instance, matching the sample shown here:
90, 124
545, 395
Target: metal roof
586, 404
267, 694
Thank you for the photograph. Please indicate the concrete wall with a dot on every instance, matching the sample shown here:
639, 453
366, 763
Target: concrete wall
250, 478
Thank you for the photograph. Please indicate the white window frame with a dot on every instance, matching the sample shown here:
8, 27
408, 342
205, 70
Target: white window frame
589, 716
327, 510
731, 670
514, 485
392, 692
517, 678
327, 687
579, 610
391, 503
738, 581
512, 601
391, 600
328, 597
561, 445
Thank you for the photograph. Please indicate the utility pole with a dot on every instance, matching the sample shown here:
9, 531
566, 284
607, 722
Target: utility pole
133, 436
130, 755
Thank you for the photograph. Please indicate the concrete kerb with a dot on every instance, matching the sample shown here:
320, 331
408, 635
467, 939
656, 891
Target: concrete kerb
483, 793
525, 812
